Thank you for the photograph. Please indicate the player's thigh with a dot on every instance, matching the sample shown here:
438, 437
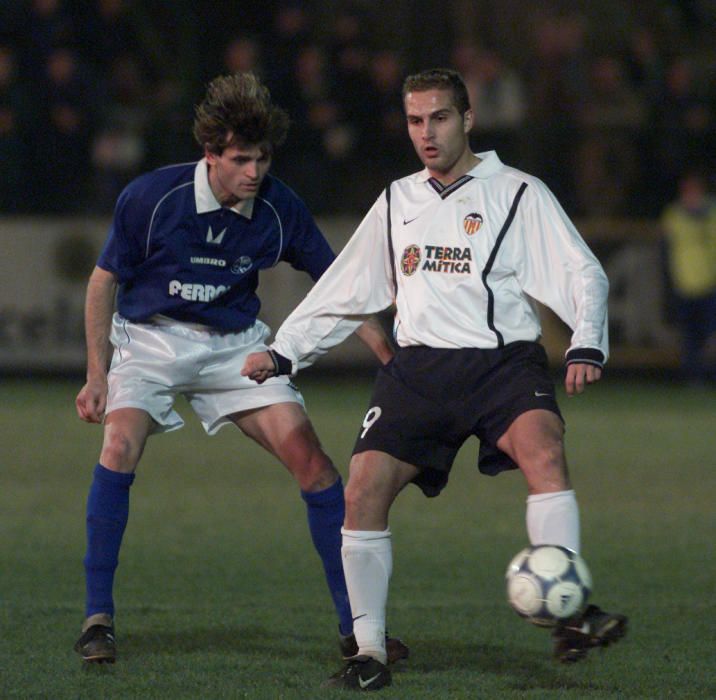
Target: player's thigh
285, 430
125, 434
535, 441
375, 480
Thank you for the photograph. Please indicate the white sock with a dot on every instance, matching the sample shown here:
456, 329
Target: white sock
367, 564
553, 518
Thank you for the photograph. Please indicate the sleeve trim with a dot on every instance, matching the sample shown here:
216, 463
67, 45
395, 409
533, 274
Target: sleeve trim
587, 356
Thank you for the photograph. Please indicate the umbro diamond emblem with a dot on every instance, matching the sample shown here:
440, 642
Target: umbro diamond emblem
215, 240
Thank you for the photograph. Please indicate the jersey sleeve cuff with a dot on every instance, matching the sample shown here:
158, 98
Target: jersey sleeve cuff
587, 356
281, 364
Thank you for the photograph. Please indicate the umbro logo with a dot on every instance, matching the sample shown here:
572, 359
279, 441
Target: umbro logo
214, 240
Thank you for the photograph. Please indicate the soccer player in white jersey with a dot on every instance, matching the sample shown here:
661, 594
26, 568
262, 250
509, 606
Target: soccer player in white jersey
463, 249
184, 253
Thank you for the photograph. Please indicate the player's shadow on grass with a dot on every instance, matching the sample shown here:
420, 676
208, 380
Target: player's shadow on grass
236, 640
526, 669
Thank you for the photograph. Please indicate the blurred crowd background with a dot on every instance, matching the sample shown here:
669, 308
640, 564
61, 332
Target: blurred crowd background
609, 102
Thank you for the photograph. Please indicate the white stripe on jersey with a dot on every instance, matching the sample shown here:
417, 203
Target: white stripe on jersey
470, 260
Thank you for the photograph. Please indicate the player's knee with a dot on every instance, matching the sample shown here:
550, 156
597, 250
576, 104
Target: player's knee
315, 473
119, 452
356, 496
546, 468
366, 507
364, 488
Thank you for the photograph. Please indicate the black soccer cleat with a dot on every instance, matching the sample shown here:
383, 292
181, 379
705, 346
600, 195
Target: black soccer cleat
594, 628
97, 644
394, 648
361, 673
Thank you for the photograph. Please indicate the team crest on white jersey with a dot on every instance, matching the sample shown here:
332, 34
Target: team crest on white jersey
410, 260
472, 222
214, 240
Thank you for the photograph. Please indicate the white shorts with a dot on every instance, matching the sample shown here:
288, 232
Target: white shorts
153, 362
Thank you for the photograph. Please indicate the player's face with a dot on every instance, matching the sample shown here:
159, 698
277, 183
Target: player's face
439, 132
238, 172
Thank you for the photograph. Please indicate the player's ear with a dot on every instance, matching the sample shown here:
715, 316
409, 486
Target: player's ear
209, 155
467, 120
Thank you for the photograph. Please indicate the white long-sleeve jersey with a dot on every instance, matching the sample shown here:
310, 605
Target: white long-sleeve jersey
463, 265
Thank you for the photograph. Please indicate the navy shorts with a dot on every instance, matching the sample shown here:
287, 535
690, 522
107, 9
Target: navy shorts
427, 402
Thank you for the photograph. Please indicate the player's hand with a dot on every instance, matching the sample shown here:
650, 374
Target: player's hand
579, 374
258, 366
92, 400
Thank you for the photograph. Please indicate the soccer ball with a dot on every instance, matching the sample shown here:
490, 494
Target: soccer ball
548, 584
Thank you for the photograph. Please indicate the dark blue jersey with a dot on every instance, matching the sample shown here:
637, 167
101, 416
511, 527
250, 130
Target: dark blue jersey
177, 252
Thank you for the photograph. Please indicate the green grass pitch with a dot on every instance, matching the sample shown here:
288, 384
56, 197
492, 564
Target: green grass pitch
220, 594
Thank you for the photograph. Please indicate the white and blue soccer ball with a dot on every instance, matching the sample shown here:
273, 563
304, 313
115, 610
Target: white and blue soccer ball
548, 584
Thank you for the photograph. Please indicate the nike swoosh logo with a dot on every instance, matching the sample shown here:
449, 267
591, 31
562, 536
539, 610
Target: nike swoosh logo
409, 221
364, 684
541, 393
359, 617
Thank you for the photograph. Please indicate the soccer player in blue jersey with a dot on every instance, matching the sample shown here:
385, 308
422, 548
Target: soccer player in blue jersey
183, 256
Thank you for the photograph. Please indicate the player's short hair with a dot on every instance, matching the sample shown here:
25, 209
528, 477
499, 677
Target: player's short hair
439, 79
237, 110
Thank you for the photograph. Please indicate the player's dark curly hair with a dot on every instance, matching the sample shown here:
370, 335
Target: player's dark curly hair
439, 79
237, 110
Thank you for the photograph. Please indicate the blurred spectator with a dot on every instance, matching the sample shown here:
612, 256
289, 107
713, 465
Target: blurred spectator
14, 155
168, 138
63, 141
108, 31
556, 72
119, 149
48, 24
684, 123
348, 49
610, 116
290, 34
384, 135
243, 55
496, 96
318, 135
12, 20
689, 225
645, 64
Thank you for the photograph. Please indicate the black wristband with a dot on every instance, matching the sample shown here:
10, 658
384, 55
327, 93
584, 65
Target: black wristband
587, 356
281, 364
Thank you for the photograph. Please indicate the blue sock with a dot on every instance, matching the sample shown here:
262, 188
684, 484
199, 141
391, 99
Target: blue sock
326, 510
107, 514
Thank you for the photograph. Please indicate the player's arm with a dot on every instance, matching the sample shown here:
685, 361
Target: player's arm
373, 335
357, 285
562, 273
259, 366
99, 306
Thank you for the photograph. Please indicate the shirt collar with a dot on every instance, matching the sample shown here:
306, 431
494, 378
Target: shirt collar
204, 196
489, 164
